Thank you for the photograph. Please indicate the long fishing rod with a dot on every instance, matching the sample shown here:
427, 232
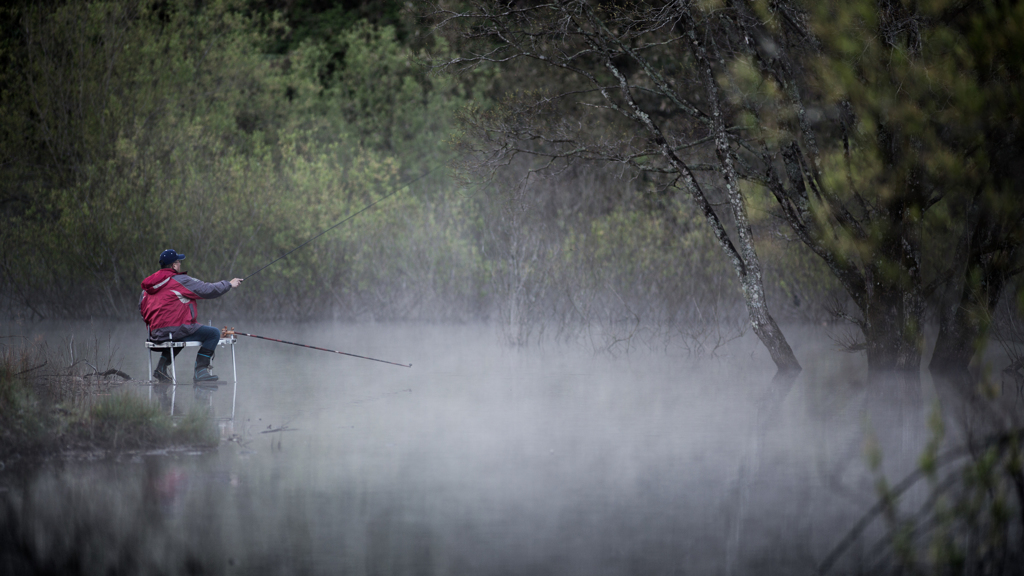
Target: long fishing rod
347, 218
225, 332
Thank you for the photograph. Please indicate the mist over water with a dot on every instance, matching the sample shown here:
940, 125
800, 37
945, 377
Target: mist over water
481, 459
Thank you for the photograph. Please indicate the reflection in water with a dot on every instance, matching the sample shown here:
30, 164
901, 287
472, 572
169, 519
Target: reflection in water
484, 461
96, 518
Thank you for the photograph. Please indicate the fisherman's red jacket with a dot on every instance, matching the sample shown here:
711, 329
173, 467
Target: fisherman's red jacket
168, 303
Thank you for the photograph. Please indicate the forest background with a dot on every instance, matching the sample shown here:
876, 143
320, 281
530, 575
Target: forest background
234, 130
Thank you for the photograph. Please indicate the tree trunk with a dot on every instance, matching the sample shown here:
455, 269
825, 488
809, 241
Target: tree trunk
750, 274
893, 305
958, 341
963, 332
892, 330
765, 327
982, 267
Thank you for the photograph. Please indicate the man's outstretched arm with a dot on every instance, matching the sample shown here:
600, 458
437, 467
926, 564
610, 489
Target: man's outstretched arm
200, 290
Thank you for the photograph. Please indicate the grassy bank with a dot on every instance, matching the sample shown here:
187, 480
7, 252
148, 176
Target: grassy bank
47, 408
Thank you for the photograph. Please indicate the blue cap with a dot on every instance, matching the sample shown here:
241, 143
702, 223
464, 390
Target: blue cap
170, 257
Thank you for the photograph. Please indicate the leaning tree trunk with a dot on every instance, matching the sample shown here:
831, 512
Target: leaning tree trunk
750, 273
745, 261
764, 325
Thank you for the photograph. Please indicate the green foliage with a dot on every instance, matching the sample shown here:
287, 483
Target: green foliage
968, 522
904, 117
319, 20
234, 132
883, 133
647, 257
141, 125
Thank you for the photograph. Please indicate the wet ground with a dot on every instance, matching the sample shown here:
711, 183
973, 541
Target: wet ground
483, 460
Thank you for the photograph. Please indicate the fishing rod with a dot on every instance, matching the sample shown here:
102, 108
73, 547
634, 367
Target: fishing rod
225, 332
347, 218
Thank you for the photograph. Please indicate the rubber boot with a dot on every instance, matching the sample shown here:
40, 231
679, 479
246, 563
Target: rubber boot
163, 373
202, 373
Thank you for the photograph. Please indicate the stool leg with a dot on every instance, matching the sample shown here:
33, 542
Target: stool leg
234, 388
150, 373
174, 381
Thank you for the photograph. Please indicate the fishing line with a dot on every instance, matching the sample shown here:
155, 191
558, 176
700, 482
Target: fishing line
228, 332
347, 218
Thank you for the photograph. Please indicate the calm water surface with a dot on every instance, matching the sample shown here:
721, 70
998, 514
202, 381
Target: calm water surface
479, 460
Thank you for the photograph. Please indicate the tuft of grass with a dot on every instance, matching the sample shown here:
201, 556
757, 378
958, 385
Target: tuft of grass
125, 421
197, 428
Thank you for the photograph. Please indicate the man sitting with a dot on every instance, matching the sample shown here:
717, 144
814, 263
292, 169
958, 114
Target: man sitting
168, 305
